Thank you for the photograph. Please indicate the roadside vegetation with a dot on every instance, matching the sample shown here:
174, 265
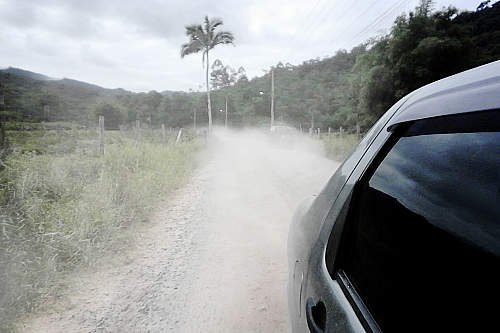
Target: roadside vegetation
338, 147
63, 204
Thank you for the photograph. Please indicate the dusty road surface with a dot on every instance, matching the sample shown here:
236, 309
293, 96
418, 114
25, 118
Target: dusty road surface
214, 257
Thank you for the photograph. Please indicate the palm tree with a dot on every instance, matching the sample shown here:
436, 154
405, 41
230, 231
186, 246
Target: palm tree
203, 38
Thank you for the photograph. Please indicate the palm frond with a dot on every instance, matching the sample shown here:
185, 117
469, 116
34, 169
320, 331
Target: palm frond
194, 46
193, 29
214, 23
203, 37
206, 25
222, 37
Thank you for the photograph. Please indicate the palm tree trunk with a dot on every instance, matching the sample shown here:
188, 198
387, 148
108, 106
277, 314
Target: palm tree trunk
209, 104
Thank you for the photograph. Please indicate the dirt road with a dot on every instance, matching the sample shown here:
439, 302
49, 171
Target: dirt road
214, 257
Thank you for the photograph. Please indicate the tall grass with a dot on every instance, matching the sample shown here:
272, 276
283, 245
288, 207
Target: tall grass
338, 147
62, 204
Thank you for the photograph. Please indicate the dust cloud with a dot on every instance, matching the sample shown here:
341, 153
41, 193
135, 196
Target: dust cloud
214, 257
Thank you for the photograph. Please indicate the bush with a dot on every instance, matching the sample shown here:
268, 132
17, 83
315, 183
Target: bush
63, 207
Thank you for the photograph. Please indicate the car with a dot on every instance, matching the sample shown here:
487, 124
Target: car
405, 236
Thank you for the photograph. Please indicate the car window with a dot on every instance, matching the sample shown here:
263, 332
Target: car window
422, 245
337, 181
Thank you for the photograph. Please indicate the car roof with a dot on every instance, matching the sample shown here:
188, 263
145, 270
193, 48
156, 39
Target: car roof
476, 89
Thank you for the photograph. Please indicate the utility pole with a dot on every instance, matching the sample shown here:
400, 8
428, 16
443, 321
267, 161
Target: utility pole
225, 122
101, 135
137, 130
46, 112
272, 97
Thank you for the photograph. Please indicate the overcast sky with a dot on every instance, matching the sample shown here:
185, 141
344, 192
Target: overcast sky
136, 44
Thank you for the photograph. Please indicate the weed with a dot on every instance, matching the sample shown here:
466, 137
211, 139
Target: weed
62, 204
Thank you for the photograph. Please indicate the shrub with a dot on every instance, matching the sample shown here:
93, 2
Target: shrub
61, 207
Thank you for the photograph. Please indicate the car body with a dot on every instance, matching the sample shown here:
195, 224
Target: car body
405, 236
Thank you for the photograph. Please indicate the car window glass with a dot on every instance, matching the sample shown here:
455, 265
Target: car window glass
423, 244
333, 187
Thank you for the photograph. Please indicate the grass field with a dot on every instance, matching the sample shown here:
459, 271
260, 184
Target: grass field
338, 147
62, 204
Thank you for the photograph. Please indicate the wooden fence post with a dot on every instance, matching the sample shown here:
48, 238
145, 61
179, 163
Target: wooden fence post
329, 131
179, 136
319, 133
101, 135
163, 134
137, 131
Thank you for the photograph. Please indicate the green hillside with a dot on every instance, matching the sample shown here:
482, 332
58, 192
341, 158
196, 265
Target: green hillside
352, 87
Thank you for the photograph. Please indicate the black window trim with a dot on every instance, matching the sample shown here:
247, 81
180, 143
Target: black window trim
367, 320
359, 307
339, 230
337, 234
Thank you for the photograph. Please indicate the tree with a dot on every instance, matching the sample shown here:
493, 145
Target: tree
112, 115
222, 76
203, 38
241, 75
226, 76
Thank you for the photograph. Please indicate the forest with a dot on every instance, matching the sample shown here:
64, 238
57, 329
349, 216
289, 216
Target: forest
349, 89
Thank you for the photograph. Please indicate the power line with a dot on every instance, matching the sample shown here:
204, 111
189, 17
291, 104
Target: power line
346, 12
322, 16
381, 18
353, 22
312, 24
307, 25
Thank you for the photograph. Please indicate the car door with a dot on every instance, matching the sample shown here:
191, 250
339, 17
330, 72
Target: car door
412, 243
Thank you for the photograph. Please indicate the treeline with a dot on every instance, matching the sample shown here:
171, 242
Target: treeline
28, 98
351, 88
358, 86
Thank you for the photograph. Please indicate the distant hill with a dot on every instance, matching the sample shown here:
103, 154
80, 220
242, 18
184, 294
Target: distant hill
23, 73
26, 74
70, 100
27, 92
80, 84
169, 93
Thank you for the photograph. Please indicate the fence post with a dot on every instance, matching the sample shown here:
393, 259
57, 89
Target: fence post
341, 130
329, 131
101, 135
163, 134
319, 133
179, 136
137, 131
